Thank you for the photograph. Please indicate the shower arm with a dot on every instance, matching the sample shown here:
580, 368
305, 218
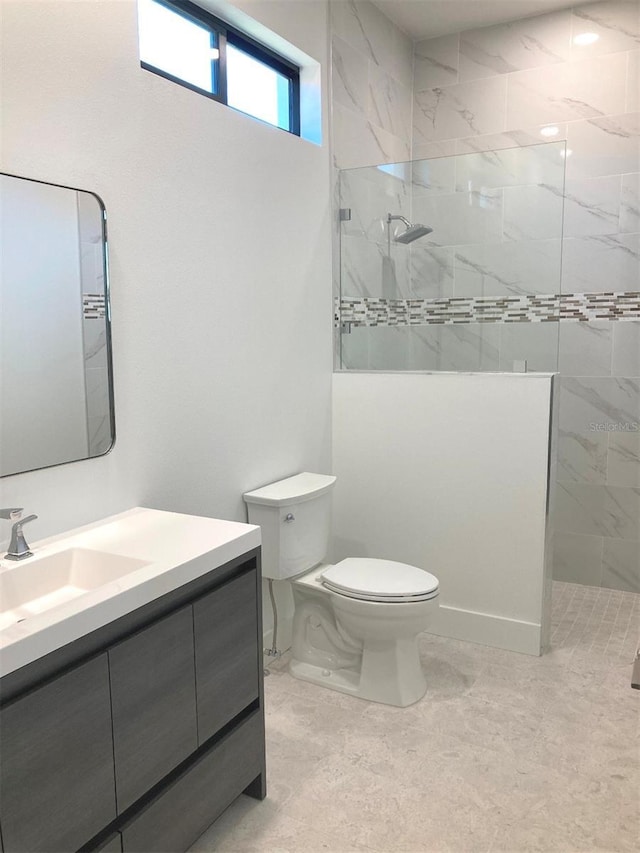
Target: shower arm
391, 218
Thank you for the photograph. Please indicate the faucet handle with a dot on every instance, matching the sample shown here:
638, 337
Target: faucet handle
11, 513
18, 548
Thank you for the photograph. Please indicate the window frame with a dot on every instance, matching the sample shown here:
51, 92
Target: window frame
226, 34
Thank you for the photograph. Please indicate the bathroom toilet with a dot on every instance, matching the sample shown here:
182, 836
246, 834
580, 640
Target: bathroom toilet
356, 623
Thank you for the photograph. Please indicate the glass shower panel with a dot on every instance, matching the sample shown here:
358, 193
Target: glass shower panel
480, 292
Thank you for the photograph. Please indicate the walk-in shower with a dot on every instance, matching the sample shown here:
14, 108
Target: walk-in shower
477, 289
517, 275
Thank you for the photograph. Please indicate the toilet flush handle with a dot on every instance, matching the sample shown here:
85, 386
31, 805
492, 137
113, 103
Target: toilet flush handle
289, 517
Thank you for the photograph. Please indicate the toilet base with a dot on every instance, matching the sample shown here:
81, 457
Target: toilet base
391, 676
343, 680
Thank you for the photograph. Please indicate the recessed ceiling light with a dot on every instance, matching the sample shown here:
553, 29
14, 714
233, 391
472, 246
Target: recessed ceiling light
586, 38
551, 130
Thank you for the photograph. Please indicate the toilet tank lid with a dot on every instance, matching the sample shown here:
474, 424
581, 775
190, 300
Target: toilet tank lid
297, 489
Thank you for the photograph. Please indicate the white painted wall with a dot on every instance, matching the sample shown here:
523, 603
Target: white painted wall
220, 263
42, 384
448, 472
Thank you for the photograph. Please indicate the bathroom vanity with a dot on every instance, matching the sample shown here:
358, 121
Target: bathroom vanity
132, 713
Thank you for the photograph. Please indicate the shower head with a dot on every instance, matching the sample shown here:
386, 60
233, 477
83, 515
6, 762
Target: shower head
412, 232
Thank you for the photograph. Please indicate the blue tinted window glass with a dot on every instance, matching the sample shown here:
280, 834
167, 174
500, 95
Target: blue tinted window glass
257, 89
177, 45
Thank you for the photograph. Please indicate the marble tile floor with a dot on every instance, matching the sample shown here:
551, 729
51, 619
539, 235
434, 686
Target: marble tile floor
505, 753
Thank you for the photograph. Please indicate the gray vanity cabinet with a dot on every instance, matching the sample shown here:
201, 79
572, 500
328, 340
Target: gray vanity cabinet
137, 736
184, 809
56, 773
111, 845
227, 658
153, 703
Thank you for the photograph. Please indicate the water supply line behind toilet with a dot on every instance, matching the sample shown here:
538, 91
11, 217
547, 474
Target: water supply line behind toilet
273, 652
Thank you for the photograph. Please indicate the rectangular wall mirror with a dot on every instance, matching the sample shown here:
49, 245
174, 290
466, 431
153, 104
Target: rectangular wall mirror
56, 385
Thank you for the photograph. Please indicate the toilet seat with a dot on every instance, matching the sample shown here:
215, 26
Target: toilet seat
380, 580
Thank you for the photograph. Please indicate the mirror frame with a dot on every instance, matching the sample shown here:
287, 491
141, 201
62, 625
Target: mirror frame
107, 327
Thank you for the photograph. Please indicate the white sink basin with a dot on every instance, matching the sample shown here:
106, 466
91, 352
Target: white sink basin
33, 587
82, 580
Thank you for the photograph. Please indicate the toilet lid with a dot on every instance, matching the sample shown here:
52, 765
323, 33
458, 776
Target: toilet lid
380, 580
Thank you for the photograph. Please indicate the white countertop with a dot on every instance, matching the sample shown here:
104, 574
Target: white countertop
175, 548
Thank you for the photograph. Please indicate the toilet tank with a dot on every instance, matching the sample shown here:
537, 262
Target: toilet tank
295, 517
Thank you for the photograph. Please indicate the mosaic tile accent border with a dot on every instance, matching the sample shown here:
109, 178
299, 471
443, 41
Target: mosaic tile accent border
93, 306
532, 308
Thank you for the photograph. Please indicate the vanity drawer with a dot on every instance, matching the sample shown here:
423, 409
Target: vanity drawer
153, 702
111, 845
56, 774
177, 816
226, 646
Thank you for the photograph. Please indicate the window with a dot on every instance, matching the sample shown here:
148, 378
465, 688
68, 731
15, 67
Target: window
189, 46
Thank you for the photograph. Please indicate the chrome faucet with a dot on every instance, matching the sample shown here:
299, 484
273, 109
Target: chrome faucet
11, 513
18, 548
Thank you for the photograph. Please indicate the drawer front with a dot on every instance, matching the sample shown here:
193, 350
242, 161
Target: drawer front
226, 641
111, 845
153, 704
182, 812
56, 774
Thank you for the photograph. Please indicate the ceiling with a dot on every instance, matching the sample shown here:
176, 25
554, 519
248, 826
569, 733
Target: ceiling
421, 19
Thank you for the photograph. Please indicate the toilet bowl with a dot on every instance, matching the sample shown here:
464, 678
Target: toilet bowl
356, 643
356, 623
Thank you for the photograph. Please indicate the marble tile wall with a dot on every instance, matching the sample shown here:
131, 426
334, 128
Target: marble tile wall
372, 86
494, 87
371, 73
485, 245
480, 93
367, 266
498, 86
496, 219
